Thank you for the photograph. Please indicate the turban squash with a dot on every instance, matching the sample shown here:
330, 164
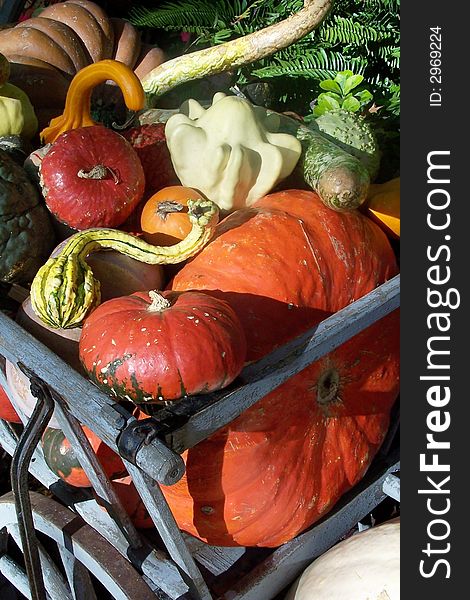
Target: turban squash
46, 51
284, 265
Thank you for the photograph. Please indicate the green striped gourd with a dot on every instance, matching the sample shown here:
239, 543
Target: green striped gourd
64, 290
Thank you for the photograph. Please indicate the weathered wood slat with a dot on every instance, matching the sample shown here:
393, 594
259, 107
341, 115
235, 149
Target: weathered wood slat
168, 529
54, 582
93, 551
153, 563
77, 576
95, 473
15, 575
391, 487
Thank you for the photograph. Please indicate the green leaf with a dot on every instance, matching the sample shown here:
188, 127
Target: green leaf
352, 82
352, 104
331, 86
325, 103
342, 77
363, 96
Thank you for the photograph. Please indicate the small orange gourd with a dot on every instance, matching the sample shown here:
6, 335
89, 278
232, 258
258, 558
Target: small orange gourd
165, 220
77, 104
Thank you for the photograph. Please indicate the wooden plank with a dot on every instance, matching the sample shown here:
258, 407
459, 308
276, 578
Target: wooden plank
77, 576
216, 559
95, 473
93, 551
391, 487
100, 413
15, 575
168, 529
205, 415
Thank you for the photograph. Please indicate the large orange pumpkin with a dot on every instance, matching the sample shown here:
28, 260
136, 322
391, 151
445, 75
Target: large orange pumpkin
284, 265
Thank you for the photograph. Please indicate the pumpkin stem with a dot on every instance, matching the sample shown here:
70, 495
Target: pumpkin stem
127, 123
159, 303
98, 172
166, 207
328, 387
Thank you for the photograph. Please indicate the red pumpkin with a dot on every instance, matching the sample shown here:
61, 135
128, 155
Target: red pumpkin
92, 177
151, 347
61, 459
150, 144
7, 411
284, 265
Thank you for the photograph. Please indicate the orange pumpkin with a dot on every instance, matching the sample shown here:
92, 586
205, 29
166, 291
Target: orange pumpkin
164, 219
284, 265
132, 503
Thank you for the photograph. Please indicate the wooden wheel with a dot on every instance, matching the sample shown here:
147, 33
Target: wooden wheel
77, 563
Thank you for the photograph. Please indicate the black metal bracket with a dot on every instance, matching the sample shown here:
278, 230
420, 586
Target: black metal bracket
136, 434
21, 459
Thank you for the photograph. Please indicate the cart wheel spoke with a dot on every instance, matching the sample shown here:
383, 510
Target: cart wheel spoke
54, 582
78, 577
77, 562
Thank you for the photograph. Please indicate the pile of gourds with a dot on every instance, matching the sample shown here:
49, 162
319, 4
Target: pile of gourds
273, 217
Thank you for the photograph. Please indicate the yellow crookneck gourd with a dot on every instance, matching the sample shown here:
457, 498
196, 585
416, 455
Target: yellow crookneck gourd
77, 104
65, 291
228, 151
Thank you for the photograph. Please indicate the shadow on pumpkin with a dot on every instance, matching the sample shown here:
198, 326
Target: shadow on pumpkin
268, 323
209, 502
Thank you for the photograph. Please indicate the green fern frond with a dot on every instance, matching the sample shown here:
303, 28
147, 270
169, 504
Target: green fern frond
186, 15
317, 64
390, 55
341, 30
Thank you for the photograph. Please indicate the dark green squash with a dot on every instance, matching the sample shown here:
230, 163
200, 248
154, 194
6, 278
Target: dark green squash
62, 461
26, 234
16, 146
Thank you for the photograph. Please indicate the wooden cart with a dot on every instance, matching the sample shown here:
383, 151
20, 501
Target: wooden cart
85, 547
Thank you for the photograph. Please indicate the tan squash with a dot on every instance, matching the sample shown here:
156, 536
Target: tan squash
67, 37
31, 42
127, 43
63, 35
85, 25
42, 82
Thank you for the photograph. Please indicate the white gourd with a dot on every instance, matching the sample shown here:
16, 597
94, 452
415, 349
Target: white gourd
365, 566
